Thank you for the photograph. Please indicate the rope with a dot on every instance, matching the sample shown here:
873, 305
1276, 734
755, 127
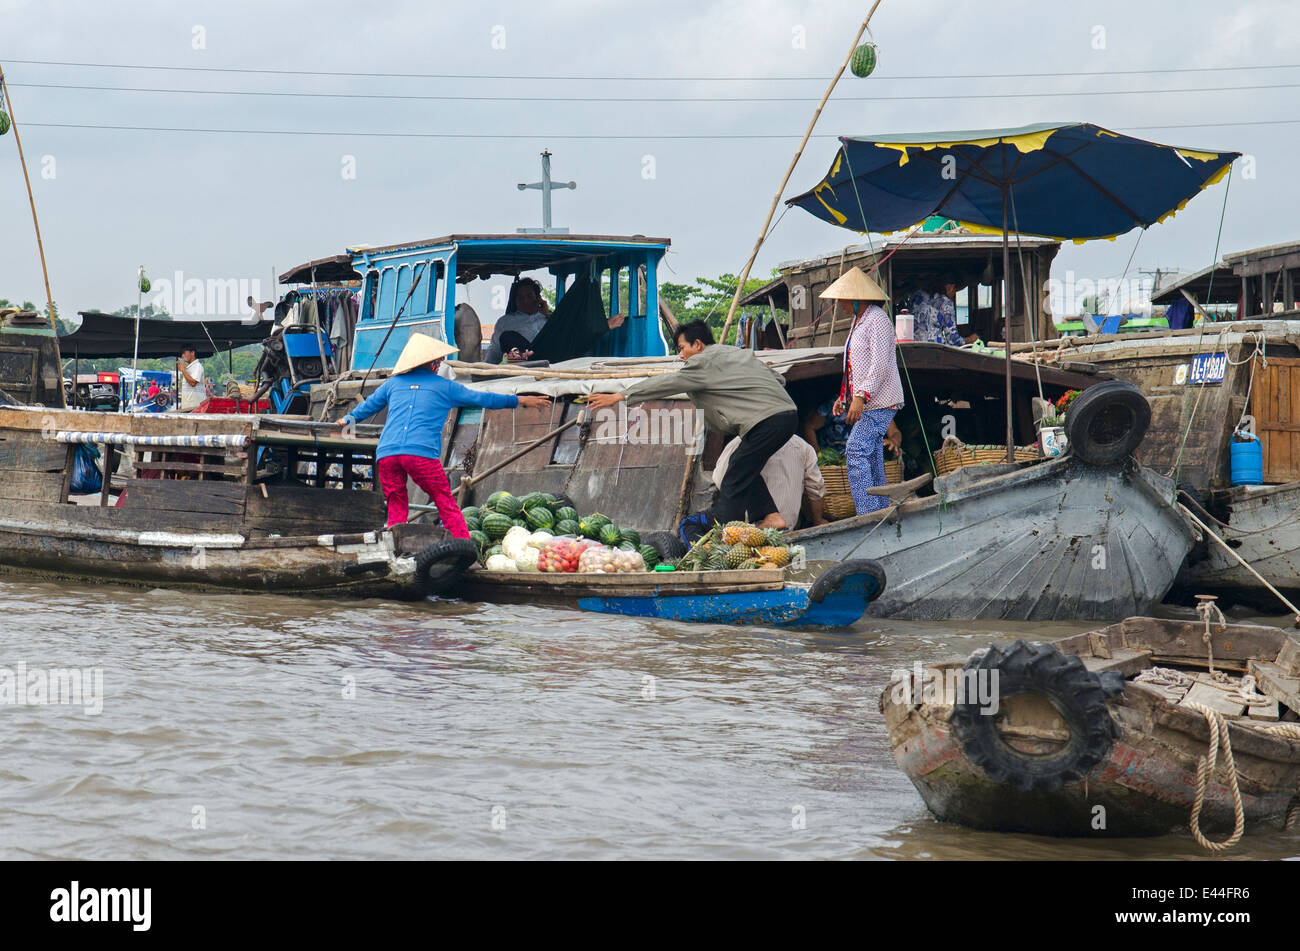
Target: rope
1205, 609
1204, 767
1164, 677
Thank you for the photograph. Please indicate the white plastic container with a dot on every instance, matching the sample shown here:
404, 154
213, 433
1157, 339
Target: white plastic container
904, 325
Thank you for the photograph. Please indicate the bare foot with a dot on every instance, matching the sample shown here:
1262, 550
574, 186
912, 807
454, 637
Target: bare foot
773, 521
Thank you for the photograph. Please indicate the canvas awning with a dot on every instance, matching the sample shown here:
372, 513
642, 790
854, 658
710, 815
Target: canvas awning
107, 335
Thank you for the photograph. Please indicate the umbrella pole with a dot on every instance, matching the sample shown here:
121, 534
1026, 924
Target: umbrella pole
1006, 320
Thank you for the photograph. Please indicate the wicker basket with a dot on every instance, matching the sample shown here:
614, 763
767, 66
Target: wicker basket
954, 454
839, 500
893, 470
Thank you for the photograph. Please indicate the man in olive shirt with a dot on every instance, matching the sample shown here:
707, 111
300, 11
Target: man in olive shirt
738, 395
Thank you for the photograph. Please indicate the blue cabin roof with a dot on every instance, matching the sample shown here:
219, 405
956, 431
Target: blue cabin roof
440, 264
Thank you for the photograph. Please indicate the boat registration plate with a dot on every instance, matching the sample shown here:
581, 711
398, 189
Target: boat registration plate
1208, 368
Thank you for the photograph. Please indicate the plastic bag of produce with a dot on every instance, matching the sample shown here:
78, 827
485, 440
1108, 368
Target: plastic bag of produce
562, 553
601, 559
501, 563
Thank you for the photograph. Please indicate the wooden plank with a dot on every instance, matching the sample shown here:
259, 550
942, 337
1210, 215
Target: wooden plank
32, 486
178, 498
30, 452
1214, 698
1127, 662
230, 470
636, 580
1268, 712
1276, 683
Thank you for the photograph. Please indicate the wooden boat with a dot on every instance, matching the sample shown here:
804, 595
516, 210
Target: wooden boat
1101, 734
1261, 525
834, 598
245, 503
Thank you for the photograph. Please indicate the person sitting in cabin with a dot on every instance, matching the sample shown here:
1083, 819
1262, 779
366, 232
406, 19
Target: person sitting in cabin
738, 395
190, 379
935, 316
791, 476
410, 446
526, 314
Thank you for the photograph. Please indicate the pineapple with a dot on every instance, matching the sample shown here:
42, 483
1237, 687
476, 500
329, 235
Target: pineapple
748, 564
732, 532
775, 554
738, 553
773, 536
716, 561
754, 537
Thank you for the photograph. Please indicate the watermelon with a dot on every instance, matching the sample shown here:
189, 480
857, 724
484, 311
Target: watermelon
493, 550
508, 505
610, 535
494, 498
518, 523
649, 554
495, 525
532, 500
591, 525
472, 511
551, 501
539, 518
473, 523
632, 535
567, 527
479, 539
566, 512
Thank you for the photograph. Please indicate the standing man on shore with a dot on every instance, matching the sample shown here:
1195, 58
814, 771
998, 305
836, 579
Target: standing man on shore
189, 380
738, 395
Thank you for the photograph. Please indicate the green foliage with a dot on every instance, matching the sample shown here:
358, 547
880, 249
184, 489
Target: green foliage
709, 299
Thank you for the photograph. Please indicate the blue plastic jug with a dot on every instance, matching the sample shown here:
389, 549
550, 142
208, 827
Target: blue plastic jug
1247, 458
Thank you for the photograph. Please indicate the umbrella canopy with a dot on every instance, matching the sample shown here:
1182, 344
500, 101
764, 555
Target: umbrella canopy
1064, 181
1057, 180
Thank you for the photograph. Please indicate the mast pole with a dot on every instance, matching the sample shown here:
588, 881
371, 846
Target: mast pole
762, 234
13, 124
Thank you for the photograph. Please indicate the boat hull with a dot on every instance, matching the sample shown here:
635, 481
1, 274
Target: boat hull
366, 565
1058, 540
1264, 529
721, 597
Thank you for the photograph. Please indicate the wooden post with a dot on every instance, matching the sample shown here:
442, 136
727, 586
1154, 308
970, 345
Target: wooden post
767, 222
108, 476
40, 246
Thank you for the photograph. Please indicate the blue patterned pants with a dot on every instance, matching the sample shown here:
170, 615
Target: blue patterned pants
866, 457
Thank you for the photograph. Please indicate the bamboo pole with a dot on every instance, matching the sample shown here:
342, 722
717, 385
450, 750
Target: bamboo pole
776, 199
13, 125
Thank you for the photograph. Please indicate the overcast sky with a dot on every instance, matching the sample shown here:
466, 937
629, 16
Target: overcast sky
223, 205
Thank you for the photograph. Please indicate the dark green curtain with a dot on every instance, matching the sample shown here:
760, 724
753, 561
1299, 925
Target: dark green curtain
578, 322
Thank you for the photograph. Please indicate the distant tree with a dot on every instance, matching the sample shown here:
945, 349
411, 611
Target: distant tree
709, 299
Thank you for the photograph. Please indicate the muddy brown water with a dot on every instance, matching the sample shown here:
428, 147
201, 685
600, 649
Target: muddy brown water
271, 727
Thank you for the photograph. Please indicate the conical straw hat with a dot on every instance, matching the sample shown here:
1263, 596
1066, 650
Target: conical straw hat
854, 284
419, 351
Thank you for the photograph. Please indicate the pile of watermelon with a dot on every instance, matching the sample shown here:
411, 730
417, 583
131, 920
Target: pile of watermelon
542, 512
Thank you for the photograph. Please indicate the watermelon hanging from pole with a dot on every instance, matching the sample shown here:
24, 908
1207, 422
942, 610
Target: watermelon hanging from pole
864, 60
4, 122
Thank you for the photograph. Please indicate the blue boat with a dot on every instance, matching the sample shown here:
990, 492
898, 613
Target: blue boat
836, 598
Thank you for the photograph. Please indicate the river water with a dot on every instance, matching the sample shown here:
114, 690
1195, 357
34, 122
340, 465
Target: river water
261, 727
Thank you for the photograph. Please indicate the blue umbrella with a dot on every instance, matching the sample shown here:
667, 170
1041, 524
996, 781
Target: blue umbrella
1067, 181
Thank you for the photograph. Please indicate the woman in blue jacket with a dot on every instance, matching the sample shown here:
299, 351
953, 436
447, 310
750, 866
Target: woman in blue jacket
418, 401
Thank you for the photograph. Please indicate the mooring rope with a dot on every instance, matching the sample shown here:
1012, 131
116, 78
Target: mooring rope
1204, 767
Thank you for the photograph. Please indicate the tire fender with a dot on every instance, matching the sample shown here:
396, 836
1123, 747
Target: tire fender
830, 580
1106, 422
441, 564
1078, 695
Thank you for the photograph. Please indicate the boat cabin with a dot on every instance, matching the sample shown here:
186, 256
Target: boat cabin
925, 261
417, 286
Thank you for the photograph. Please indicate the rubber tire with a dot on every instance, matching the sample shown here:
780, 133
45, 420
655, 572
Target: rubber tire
441, 564
829, 581
1062, 679
668, 545
1106, 422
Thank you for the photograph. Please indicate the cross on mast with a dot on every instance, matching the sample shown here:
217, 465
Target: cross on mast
545, 186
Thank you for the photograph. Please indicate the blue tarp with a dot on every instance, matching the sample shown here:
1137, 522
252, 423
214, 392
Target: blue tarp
1065, 181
